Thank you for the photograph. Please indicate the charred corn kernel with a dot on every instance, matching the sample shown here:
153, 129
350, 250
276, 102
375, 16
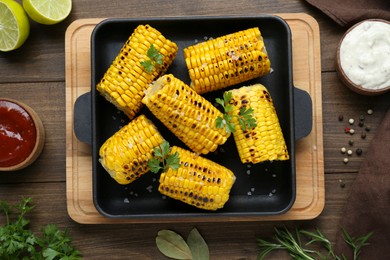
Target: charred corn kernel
185, 113
127, 76
265, 141
227, 60
125, 155
198, 181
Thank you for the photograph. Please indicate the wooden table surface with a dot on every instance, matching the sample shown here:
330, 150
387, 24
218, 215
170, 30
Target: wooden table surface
35, 74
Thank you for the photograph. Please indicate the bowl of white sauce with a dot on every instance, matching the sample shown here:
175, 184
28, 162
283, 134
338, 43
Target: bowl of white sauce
363, 57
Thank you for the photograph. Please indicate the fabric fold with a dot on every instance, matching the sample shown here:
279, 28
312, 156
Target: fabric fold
349, 12
368, 205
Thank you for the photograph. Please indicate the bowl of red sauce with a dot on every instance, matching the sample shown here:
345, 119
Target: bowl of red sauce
22, 135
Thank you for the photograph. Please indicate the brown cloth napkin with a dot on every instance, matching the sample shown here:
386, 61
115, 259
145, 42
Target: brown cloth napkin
368, 206
348, 12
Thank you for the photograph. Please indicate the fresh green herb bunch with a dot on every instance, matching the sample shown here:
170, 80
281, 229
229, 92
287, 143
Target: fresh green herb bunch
245, 116
162, 159
19, 242
285, 240
155, 58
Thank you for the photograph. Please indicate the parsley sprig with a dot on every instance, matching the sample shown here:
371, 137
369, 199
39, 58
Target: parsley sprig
17, 241
155, 58
163, 159
245, 116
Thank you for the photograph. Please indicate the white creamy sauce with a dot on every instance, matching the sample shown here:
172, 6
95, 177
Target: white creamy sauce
365, 55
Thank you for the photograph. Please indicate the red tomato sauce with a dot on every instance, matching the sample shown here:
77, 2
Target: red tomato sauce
17, 134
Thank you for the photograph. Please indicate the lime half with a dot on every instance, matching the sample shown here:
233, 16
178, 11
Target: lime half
14, 25
47, 11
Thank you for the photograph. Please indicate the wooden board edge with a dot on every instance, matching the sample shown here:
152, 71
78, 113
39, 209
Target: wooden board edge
72, 209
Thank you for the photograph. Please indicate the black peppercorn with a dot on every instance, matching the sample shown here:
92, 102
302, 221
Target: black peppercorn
341, 118
359, 151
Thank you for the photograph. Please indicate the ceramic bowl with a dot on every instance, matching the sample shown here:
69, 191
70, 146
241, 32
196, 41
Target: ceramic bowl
342, 74
13, 112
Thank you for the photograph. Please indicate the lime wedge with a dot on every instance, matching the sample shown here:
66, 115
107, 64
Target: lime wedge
14, 25
47, 11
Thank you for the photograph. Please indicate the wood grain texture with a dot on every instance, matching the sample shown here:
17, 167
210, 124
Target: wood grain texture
226, 240
36, 74
309, 151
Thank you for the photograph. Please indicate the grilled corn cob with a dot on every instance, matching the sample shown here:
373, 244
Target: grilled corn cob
198, 181
124, 82
265, 141
185, 113
227, 60
125, 154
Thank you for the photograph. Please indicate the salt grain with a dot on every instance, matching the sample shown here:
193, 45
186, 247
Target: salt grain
149, 188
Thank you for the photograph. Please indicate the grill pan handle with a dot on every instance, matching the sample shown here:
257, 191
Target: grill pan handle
303, 113
82, 120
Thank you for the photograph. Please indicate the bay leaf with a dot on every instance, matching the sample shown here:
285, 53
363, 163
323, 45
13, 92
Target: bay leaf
172, 245
198, 246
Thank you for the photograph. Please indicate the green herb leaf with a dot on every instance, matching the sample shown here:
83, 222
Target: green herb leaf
154, 58
18, 242
285, 240
163, 159
172, 245
198, 246
165, 149
173, 161
245, 115
148, 65
246, 119
154, 165
356, 243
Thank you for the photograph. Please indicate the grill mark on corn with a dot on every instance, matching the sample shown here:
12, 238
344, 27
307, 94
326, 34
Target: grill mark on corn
227, 60
201, 182
266, 140
187, 114
125, 81
126, 153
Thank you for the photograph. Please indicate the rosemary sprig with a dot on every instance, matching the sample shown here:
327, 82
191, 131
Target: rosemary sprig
356, 243
318, 237
245, 116
285, 240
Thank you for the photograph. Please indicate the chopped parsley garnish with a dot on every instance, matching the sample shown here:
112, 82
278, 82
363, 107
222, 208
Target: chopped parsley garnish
163, 159
245, 116
154, 58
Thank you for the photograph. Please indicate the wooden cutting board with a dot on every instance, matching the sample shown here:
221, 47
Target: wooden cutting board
310, 194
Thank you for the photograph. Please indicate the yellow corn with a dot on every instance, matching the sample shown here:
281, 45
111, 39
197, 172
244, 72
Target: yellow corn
126, 79
185, 113
265, 141
125, 155
198, 181
227, 60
